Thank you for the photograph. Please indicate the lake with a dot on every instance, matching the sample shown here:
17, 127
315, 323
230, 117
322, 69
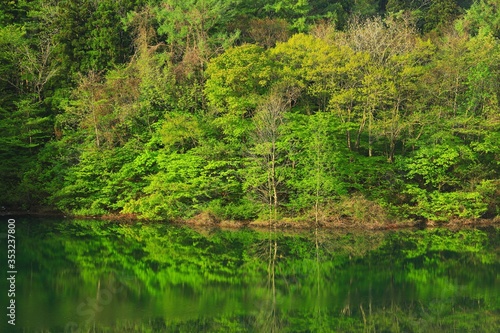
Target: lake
99, 276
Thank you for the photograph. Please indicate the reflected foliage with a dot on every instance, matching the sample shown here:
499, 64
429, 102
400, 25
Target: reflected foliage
111, 277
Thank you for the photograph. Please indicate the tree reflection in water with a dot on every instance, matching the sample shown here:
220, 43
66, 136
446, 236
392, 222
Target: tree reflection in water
175, 279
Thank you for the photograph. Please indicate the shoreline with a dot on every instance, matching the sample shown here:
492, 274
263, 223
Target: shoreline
338, 223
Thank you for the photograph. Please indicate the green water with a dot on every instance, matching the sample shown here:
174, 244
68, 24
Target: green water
96, 276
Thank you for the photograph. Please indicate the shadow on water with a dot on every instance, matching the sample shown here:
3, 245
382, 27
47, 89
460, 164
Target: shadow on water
97, 276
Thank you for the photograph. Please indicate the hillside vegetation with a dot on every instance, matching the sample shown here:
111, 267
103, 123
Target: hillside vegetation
315, 110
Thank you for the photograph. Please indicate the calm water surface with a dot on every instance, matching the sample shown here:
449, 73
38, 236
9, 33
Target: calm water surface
96, 276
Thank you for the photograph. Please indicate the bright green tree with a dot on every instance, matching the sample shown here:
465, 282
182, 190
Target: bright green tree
318, 160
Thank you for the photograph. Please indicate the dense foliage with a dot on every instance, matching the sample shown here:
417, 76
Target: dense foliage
244, 110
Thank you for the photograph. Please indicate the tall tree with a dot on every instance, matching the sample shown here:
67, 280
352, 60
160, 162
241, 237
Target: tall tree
318, 159
267, 159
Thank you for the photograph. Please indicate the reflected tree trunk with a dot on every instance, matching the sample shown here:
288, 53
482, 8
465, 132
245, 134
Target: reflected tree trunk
268, 318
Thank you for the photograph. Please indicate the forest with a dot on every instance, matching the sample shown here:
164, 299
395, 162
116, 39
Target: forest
308, 110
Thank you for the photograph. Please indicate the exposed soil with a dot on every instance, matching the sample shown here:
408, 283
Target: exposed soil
209, 220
